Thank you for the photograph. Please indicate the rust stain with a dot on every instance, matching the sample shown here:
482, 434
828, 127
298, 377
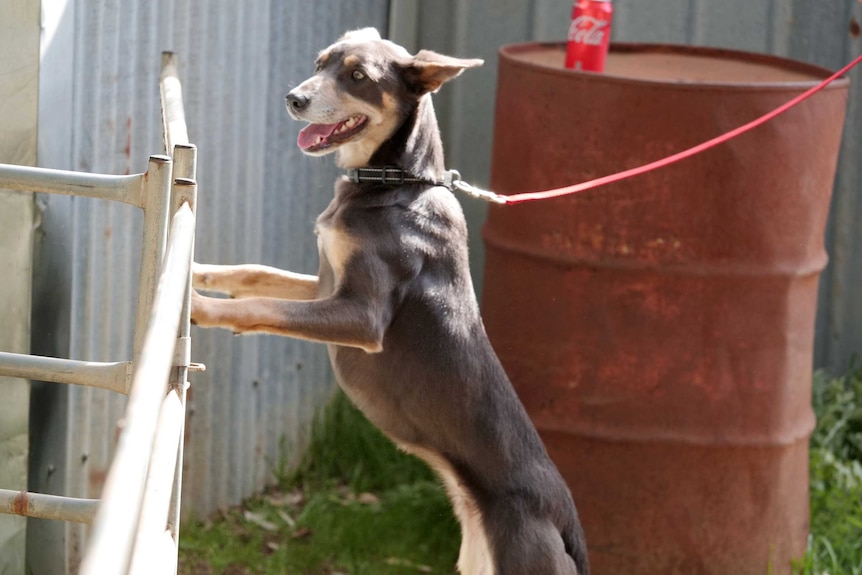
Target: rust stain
21, 503
128, 149
597, 237
854, 26
96, 480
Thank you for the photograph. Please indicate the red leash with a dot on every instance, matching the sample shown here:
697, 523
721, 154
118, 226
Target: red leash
555, 193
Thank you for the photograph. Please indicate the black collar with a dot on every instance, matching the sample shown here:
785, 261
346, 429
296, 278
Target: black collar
392, 176
389, 175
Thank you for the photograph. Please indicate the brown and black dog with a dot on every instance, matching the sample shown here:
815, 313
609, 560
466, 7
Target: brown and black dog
394, 301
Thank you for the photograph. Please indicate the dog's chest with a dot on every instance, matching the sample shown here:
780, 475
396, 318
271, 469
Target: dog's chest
335, 247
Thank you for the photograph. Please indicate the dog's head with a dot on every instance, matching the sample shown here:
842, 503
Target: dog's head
362, 90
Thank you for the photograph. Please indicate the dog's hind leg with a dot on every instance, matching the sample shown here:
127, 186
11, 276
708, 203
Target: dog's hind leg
530, 547
252, 280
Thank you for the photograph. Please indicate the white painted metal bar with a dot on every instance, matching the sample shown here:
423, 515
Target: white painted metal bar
156, 199
114, 376
185, 166
159, 487
173, 112
47, 506
126, 189
114, 527
185, 169
185, 162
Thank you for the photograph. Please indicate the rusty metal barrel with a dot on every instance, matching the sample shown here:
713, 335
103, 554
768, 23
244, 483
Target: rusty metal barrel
660, 330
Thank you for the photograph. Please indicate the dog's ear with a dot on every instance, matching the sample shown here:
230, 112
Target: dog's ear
428, 70
362, 34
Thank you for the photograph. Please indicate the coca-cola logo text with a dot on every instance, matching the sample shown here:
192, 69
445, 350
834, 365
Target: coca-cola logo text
587, 30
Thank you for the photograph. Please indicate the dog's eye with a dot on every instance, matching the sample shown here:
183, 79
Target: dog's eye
357, 75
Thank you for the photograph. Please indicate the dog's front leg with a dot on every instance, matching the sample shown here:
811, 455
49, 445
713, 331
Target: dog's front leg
250, 280
337, 320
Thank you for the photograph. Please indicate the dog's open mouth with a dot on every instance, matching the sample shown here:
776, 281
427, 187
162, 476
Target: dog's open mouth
316, 137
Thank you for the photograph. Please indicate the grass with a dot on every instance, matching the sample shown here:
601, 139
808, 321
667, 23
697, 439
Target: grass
346, 449
835, 544
357, 505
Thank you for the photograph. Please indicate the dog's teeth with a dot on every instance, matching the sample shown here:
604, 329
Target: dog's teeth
318, 140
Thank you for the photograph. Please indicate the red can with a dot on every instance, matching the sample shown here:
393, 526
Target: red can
589, 35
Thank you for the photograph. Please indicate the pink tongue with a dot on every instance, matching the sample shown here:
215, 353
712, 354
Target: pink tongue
309, 134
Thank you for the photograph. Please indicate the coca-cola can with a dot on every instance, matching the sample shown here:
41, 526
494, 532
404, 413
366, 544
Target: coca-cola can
589, 35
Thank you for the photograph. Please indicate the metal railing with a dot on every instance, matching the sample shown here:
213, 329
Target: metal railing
135, 523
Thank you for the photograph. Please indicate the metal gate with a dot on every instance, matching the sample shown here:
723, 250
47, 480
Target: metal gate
135, 523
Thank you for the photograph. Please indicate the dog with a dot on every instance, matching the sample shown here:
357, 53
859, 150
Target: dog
394, 302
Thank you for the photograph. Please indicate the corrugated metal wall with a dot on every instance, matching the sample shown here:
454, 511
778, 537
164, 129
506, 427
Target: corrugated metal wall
258, 196
823, 32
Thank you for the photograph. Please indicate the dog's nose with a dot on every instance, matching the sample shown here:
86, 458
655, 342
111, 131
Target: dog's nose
296, 102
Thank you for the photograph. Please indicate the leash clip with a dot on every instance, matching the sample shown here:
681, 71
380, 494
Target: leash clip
449, 179
452, 180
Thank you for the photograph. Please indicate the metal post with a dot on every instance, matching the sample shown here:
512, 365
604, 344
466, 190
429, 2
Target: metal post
185, 157
185, 164
173, 113
157, 185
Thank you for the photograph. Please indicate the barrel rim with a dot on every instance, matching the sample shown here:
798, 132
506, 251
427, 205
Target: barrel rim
508, 52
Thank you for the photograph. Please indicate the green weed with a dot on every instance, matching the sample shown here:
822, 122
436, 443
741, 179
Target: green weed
346, 449
835, 544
